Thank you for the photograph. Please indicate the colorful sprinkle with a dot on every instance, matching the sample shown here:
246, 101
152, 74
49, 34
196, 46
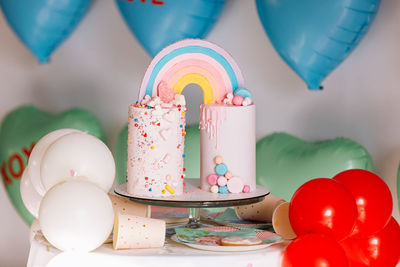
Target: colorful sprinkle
170, 189
163, 191
150, 189
152, 147
183, 155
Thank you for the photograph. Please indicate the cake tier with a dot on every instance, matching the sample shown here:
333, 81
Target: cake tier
228, 132
155, 151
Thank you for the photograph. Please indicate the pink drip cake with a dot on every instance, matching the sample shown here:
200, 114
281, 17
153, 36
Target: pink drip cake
156, 126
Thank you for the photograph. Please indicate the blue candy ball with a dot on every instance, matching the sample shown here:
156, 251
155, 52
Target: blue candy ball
223, 189
221, 169
243, 92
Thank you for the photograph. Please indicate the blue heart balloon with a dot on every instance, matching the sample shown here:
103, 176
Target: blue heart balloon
313, 36
157, 24
42, 25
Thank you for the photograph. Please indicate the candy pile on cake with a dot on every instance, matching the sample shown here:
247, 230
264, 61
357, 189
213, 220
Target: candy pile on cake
156, 135
228, 144
156, 126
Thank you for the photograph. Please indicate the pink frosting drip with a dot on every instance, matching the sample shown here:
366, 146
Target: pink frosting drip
209, 120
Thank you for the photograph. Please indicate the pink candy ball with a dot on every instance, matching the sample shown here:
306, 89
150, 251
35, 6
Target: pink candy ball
246, 189
212, 179
237, 100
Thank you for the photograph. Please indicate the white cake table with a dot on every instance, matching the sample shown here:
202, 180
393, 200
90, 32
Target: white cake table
171, 255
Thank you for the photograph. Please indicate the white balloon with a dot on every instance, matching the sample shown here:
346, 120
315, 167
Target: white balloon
78, 154
76, 216
30, 197
37, 153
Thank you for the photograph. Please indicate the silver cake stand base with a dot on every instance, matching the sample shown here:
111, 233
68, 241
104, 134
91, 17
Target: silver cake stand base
194, 198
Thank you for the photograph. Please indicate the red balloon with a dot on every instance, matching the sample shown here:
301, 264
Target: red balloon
373, 199
378, 250
314, 250
323, 206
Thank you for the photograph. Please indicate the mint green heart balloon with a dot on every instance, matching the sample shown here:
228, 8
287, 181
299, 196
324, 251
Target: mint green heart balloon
398, 187
21, 129
121, 156
285, 162
192, 153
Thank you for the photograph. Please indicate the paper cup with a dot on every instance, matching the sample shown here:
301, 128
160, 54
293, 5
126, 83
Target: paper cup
261, 212
281, 222
123, 205
137, 232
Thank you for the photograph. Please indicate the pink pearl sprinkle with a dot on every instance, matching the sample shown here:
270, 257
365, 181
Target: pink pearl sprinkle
246, 189
237, 100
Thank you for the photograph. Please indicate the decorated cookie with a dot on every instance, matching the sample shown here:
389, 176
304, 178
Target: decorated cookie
240, 241
209, 240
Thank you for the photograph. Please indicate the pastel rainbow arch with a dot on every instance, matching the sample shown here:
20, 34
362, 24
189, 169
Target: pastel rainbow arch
193, 61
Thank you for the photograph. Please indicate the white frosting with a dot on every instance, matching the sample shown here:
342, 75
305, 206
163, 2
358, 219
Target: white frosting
229, 132
155, 150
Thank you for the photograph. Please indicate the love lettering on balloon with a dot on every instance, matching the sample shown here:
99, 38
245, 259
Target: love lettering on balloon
14, 167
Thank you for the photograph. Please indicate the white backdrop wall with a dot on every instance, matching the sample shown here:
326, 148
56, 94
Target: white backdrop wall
100, 67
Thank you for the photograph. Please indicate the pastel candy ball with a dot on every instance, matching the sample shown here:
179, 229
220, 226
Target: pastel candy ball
246, 189
214, 189
228, 175
218, 160
221, 169
212, 179
237, 100
222, 181
223, 190
243, 92
235, 185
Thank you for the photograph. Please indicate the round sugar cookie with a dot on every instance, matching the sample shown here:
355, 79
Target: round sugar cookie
239, 241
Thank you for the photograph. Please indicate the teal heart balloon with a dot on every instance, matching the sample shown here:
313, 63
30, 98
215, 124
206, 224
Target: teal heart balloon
285, 162
19, 132
192, 153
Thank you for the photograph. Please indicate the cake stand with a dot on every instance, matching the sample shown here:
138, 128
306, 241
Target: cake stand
194, 198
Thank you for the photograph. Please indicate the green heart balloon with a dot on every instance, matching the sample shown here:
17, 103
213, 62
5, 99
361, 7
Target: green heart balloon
398, 187
192, 153
121, 156
285, 162
19, 132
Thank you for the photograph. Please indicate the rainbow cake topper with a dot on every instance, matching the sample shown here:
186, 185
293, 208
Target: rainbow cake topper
193, 61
